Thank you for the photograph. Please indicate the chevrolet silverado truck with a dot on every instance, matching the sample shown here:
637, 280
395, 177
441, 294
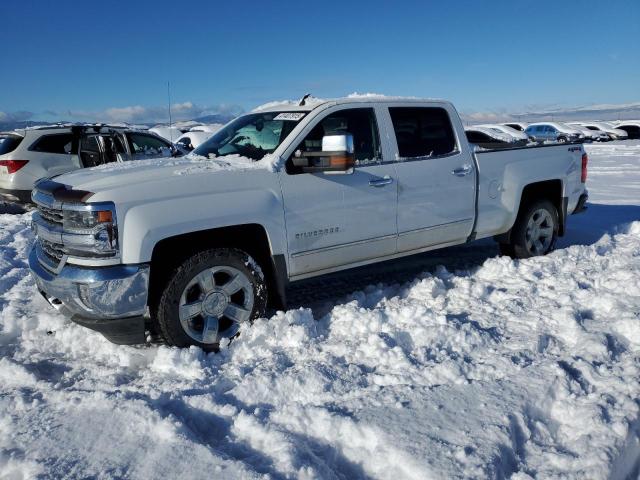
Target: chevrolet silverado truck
194, 248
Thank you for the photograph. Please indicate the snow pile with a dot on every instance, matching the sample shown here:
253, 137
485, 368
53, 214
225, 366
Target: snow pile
525, 368
200, 164
192, 163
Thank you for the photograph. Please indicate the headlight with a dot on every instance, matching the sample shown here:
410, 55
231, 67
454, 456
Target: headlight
92, 232
85, 221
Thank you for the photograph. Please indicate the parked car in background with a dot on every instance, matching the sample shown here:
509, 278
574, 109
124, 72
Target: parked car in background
608, 128
520, 135
632, 127
553, 132
520, 126
592, 135
492, 139
31, 154
193, 139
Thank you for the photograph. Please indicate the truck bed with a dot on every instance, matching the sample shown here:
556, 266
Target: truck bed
503, 173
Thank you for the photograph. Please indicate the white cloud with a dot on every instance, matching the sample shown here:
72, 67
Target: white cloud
153, 114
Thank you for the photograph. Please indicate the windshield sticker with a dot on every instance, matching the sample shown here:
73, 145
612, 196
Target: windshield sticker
291, 116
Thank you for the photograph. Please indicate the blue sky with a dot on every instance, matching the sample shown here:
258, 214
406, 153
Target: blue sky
84, 60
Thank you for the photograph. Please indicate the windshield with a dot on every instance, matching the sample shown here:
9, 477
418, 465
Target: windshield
253, 136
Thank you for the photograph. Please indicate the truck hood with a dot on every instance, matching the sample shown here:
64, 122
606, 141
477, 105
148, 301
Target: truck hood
149, 175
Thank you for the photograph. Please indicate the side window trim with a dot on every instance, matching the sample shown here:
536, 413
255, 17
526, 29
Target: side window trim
320, 116
32, 147
129, 135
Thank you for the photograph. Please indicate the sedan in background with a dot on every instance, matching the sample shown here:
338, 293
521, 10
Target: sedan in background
491, 139
613, 132
592, 135
508, 130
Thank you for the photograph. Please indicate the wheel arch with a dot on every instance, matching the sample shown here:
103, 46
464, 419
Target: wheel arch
551, 190
251, 238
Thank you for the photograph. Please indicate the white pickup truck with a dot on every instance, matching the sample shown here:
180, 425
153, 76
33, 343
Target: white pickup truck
193, 248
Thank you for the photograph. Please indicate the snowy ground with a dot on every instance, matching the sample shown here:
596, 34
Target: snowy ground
503, 369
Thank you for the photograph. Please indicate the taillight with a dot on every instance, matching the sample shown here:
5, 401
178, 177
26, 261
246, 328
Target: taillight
585, 160
13, 166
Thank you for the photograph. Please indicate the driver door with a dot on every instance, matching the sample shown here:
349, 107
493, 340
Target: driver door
333, 219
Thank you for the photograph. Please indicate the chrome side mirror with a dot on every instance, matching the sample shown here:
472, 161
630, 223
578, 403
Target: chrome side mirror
337, 156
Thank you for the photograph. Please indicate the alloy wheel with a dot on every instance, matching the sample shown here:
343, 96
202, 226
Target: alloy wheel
215, 303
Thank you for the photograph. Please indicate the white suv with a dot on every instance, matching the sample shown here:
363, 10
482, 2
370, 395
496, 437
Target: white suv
31, 154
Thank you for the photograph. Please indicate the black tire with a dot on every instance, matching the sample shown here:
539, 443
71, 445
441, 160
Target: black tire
520, 240
562, 139
168, 320
506, 249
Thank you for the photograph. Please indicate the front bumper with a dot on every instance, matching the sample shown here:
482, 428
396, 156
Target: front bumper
111, 300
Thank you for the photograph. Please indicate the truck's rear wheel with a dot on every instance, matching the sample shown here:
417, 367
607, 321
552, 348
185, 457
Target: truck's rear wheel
209, 297
535, 231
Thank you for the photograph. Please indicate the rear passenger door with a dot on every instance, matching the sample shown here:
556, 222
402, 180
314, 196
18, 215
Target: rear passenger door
436, 179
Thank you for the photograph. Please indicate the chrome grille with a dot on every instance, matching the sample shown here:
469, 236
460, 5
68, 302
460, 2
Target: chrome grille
54, 251
51, 215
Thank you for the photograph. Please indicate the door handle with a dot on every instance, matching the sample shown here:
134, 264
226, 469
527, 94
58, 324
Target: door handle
381, 182
462, 171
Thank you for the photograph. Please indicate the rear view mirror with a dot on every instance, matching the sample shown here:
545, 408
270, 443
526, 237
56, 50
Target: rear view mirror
337, 156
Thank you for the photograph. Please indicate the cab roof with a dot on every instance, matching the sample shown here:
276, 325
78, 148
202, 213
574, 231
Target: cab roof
312, 103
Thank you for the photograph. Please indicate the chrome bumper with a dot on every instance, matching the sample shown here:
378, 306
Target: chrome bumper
111, 300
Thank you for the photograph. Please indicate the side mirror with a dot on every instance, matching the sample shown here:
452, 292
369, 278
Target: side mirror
337, 156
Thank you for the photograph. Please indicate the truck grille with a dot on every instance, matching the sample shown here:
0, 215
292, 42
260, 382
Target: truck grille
54, 251
50, 252
51, 215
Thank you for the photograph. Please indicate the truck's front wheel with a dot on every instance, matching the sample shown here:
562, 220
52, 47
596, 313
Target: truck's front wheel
535, 231
209, 297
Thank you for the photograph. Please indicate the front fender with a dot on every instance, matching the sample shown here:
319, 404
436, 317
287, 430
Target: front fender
143, 226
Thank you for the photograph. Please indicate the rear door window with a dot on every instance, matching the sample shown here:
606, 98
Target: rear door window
422, 131
58, 143
8, 143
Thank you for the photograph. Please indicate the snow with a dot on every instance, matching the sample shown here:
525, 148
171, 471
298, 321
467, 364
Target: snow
286, 104
521, 369
168, 133
189, 164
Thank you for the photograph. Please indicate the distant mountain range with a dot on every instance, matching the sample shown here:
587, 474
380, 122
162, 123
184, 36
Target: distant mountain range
207, 119
587, 112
